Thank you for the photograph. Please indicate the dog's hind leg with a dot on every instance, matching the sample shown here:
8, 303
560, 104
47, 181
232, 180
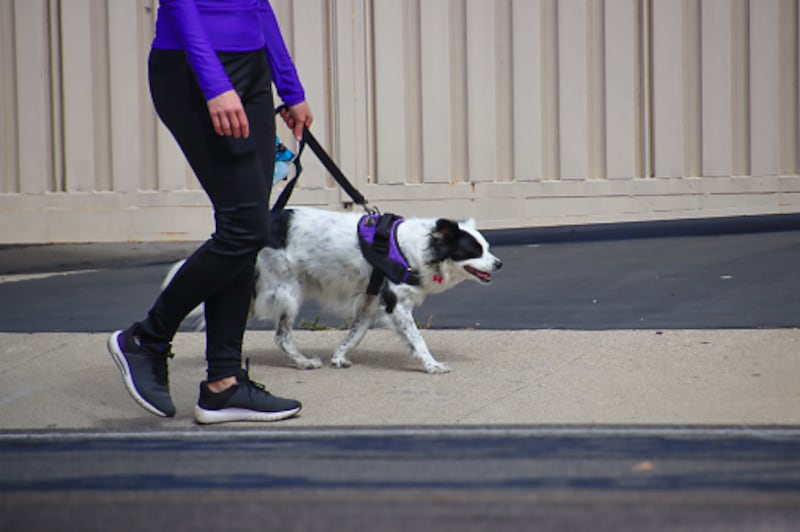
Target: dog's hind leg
285, 341
404, 325
361, 324
280, 295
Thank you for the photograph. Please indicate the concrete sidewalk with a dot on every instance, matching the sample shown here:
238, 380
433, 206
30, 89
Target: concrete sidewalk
701, 377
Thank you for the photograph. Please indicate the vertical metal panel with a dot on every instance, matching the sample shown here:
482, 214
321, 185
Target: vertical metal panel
667, 88
596, 88
481, 89
349, 87
692, 89
764, 108
503, 74
167, 169
101, 108
398, 120
489, 117
438, 142
172, 170
413, 95
623, 102
715, 57
788, 87
640, 47
573, 87
551, 148
148, 137
458, 91
78, 88
309, 28
57, 183
9, 167
740, 88
527, 91
643, 43
391, 87
32, 95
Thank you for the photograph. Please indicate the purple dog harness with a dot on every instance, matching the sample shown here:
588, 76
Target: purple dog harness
377, 236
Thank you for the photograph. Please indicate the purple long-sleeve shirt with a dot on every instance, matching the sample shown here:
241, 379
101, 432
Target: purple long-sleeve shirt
203, 27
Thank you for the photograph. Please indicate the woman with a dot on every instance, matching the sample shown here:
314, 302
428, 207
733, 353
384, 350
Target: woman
210, 69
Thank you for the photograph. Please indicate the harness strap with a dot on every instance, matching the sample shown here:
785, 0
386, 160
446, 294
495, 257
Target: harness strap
383, 232
376, 281
378, 252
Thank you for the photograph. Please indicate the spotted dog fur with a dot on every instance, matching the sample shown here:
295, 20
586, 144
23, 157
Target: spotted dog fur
315, 254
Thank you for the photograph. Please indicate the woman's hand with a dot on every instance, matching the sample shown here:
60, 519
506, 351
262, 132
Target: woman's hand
297, 117
228, 116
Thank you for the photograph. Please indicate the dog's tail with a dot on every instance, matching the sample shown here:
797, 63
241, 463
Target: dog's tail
195, 318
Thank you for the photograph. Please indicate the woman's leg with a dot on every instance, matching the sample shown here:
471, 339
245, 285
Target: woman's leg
237, 176
233, 173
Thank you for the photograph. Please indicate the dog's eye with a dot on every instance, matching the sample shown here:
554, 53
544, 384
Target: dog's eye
467, 248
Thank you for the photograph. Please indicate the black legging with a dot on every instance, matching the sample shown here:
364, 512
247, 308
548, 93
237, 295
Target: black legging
237, 176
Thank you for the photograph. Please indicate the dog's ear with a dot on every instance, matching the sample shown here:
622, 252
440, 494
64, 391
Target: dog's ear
469, 223
446, 230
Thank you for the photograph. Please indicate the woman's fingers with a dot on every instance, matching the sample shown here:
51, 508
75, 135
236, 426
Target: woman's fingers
228, 116
297, 117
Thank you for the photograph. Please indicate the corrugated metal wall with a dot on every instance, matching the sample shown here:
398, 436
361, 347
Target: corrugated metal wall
515, 112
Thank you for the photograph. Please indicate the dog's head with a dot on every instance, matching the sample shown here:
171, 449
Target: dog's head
461, 252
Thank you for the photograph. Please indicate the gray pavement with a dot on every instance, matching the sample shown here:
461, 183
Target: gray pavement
701, 377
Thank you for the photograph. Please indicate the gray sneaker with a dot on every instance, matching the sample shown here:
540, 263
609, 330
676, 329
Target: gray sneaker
144, 370
245, 401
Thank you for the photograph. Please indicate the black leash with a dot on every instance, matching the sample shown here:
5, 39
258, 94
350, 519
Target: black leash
310, 140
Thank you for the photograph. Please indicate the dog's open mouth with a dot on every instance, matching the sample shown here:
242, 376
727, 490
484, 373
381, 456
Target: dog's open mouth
484, 277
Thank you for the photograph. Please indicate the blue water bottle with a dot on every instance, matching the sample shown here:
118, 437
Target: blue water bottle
283, 161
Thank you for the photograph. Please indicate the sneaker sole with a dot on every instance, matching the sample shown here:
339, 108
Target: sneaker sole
122, 364
226, 415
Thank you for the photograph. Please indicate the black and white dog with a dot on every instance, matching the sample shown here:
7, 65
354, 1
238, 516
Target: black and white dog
316, 254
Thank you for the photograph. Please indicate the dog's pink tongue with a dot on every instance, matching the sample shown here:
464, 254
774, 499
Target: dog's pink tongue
483, 276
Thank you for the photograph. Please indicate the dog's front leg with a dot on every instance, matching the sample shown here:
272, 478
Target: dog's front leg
361, 324
404, 325
284, 340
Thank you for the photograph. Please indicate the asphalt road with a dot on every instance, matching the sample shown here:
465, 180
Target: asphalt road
435, 479
720, 281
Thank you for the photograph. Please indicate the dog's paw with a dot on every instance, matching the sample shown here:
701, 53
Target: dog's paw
437, 368
309, 363
340, 363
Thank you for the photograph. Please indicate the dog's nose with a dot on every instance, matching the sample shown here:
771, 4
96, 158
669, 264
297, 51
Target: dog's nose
498, 264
